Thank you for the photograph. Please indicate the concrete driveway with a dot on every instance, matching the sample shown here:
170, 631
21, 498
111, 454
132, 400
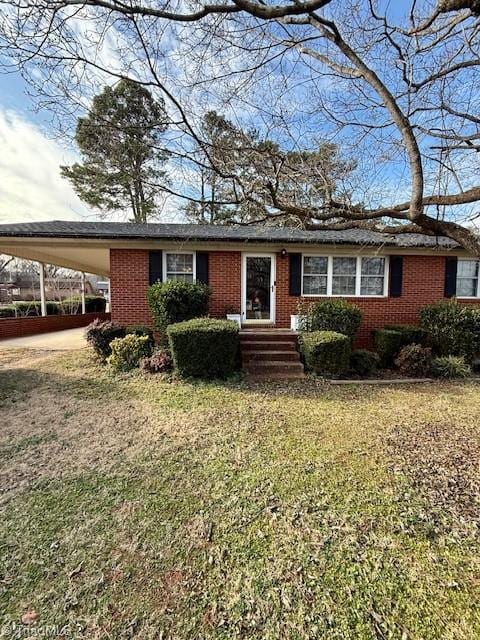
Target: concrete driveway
55, 341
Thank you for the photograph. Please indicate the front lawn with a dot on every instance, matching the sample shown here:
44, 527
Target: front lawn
132, 507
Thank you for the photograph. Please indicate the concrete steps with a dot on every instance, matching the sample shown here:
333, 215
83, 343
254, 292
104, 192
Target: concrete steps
270, 354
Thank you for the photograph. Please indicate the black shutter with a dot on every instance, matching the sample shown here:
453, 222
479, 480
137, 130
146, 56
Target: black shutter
295, 288
155, 267
451, 264
202, 267
396, 276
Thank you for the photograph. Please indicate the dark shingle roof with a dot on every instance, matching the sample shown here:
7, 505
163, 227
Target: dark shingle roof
216, 233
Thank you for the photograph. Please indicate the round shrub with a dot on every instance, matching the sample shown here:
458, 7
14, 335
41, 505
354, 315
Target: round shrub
414, 360
100, 334
364, 362
158, 362
326, 352
388, 343
204, 347
128, 351
177, 301
340, 316
450, 367
454, 329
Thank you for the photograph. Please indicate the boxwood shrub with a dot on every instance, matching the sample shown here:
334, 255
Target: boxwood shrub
204, 347
326, 352
93, 304
412, 334
453, 329
388, 343
177, 301
340, 316
364, 362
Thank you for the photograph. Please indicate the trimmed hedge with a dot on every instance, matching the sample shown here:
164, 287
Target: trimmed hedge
93, 304
388, 343
204, 347
127, 352
177, 301
412, 334
100, 334
326, 352
340, 316
454, 329
364, 362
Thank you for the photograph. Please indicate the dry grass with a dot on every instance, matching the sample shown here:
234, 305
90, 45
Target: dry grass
136, 507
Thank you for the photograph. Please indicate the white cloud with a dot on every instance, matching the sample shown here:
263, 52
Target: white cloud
31, 187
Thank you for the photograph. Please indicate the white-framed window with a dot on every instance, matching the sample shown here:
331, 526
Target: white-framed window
179, 265
468, 281
344, 276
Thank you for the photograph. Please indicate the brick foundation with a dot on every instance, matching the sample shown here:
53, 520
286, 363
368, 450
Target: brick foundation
423, 283
19, 327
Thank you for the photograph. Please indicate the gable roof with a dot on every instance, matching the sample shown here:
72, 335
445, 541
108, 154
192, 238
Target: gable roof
216, 233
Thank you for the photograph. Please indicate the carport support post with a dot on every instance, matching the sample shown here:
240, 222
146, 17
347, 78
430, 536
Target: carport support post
83, 292
43, 302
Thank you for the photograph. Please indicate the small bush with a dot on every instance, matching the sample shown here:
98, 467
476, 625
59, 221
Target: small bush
387, 344
7, 312
332, 315
177, 301
364, 362
100, 334
326, 352
158, 362
411, 333
450, 367
128, 351
454, 329
414, 360
141, 330
203, 347
93, 304
31, 308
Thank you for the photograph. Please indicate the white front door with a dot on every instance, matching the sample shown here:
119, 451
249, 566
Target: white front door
258, 288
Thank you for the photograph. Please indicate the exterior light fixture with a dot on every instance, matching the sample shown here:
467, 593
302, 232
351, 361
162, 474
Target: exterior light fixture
283, 253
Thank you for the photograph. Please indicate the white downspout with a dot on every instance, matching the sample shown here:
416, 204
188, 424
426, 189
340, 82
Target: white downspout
83, 292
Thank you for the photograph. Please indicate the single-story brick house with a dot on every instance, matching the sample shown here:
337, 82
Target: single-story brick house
262, 272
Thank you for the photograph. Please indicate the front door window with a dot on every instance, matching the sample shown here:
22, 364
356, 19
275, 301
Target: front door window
258, 287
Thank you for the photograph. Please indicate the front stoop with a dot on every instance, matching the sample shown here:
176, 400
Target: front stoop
270, 354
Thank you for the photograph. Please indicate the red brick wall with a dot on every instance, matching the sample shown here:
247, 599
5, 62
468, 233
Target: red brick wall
128, 286
423, 282
18, 327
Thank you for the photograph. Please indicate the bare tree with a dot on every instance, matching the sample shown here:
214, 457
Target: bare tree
394, 88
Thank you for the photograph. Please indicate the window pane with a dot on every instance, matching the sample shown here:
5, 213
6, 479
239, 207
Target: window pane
343, 285
314, 265
345, 266
467, 287
315, 285
467, 268
373, 266
185, 277
180, 262
371, 286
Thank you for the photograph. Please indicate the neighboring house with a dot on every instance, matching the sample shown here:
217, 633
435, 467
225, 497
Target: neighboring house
28, 288
261, 272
